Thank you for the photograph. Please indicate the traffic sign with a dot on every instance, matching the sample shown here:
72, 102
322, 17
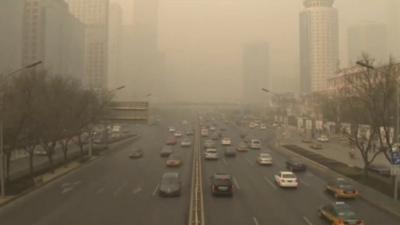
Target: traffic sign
396, 158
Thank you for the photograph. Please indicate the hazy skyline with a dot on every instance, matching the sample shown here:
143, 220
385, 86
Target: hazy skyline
202, 40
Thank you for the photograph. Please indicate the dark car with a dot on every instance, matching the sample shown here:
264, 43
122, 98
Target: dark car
136, 153
209, 143
166, 151
170, 185
380, 169
214, 136
230, 152
316, 146
341, 188
295, 165
221, 184
339, 213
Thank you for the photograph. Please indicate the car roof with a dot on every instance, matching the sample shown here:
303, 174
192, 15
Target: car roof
211, 150
170, 174
287, 173
222, 176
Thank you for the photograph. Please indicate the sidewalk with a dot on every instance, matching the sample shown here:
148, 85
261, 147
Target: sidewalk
335, 149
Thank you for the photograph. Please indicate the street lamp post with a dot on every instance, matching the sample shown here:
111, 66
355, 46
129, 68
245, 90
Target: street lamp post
2, 160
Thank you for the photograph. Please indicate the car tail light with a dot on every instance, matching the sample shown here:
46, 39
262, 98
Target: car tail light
340, 222
360, 222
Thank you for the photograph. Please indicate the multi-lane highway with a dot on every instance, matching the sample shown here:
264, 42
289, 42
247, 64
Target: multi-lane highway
115, 190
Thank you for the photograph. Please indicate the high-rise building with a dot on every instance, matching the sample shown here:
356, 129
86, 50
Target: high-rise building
11, 15
319, 44
393, 13
94, 14
114, 46
255, 72
146, 58
53, 35
367, 38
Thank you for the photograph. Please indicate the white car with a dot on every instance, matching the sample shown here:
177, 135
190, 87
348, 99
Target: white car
226, 141
286, 179
263, 127
264, 159
255, 144
204, 132
323, 138
211, 154
171, 129
186, 143
178, 134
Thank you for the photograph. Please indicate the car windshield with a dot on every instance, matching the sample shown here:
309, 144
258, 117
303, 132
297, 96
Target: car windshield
100, 98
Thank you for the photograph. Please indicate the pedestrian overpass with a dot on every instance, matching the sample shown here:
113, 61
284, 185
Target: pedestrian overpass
128, 111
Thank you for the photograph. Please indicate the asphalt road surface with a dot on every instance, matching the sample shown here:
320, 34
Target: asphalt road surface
115, 190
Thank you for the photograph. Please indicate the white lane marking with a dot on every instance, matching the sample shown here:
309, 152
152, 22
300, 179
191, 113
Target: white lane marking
119, 189
155, 189
303, 182
100, 190
224, 161
307, 220
255, 221
236, 183
66, 190
136, 190
270, 183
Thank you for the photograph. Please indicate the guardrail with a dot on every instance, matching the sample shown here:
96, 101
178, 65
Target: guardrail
196, 213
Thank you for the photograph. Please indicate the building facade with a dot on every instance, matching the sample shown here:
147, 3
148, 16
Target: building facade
12, 12
368, 38
94, 15
53, 35
114, 46
393, 13
319, 44
255, 72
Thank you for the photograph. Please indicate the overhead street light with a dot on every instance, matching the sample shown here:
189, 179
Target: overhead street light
2, 175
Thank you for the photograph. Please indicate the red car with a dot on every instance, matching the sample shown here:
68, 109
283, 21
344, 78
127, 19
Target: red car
171, 141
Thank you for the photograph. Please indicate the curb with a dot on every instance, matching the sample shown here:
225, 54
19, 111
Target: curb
325, 169
37, 187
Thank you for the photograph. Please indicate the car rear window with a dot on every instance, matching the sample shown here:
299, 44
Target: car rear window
290, 176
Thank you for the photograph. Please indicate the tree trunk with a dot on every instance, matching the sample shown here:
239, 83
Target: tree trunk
80, 144
8, 163
31, 168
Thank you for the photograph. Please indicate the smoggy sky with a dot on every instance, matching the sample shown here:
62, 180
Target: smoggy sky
202, 39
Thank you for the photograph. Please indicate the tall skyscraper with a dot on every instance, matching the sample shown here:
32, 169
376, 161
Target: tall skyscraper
114, 46
393, 12
53, 35
255, 72
11, 15
94, 14
319, 44
146, 58
368, 38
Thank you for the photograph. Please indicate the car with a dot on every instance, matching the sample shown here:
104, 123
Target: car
171, 129
204, 132
242, 147
189, 132
174, 160
221, 184
295, 165
170, 185
316, 146
214, 136
166, 151
226, 141
255, 144
339, 213
39, 151
211, 154
264, 159
171, 141
136, 153
263, 127
323, 138
213, 128
286, 179
341, 188
307, 140
186, 142
380, 169
230, 152
178, 134
209, 143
